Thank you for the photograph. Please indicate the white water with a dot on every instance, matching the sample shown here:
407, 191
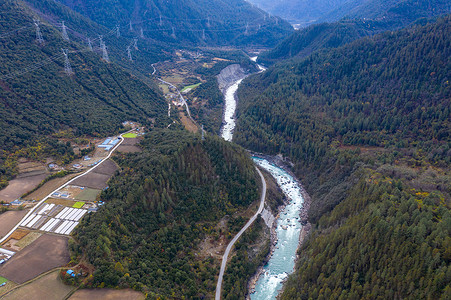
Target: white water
229, 112
230, 107
282, 260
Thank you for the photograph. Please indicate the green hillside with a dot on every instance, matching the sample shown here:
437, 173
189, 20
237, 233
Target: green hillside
360, 20
38, 99
400, 12
322, 36
188, 22
166, 200
367, 127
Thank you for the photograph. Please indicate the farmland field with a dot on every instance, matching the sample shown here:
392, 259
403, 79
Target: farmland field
48, 187
129, 145
190, 87
107, 294
78, 204
88, 194
48, 286
44, 254
9, 219
93, 180
130, 135
18, 187
3, 279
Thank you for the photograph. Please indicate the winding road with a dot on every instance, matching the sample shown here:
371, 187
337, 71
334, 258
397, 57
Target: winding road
230, 245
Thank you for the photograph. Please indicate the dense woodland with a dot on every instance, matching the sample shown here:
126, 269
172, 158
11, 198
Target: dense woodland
401, 12
222, 22
158, 209
361, 19
367, 127
94, 101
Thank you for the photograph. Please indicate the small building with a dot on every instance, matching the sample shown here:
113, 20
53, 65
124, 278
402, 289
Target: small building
71, 273
16, 202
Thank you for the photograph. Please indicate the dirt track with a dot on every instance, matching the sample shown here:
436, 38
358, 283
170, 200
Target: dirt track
46, 253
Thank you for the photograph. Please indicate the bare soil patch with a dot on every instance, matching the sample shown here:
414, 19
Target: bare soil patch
108, 167
93, 180
98, 178
9, 219
44, 254
107, 294
19, 186
64, 202
49, 187
48, 286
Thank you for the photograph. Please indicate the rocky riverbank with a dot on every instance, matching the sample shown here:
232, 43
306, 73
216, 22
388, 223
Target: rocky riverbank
303, 219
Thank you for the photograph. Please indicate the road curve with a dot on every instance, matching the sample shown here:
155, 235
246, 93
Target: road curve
230, 245
65, 184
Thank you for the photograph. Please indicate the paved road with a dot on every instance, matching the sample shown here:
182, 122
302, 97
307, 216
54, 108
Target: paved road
230, 245
43, 200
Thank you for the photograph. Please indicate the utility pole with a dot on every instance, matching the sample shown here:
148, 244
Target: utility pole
173, 32
130, 25
203, 135
161, 21
118, 33
64, 32
100, 41
135, 43
39, 38
208, 21
141, 33
89, 44
129, 53
67, 67
247, 28
105, 53
203, 34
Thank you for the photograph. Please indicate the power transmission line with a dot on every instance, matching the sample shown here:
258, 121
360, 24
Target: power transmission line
67, 67
39, 38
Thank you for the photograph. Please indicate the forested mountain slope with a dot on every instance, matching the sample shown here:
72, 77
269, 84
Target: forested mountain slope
367, 126
377, 16
322, 36
303, 12
401, 12
159, 209
37, 98
190, 22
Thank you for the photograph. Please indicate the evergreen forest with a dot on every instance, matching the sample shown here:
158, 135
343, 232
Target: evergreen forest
159, 208
367, 128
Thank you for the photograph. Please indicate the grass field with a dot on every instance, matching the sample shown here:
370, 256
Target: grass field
88, 194
191, 86
78, 204
49, 286
130, 135
3, 279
